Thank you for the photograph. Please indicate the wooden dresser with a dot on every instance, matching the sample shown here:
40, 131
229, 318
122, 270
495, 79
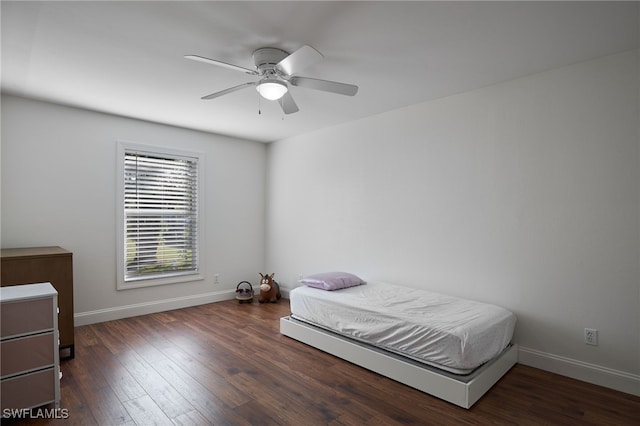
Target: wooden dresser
44, 264
29, 353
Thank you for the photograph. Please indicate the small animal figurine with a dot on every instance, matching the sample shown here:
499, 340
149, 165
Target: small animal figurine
269, 289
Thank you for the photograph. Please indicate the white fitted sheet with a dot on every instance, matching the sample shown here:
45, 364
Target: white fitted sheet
454, 334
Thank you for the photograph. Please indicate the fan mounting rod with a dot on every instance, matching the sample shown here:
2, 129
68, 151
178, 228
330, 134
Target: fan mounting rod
266, 58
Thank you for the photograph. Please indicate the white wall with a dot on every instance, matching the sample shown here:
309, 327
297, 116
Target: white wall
523, 194
59, 188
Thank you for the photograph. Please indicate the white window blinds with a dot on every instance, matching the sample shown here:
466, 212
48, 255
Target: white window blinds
161, 215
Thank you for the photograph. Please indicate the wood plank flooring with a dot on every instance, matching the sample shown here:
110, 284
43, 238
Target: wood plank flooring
227, 364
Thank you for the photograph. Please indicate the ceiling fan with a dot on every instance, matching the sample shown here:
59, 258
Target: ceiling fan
276, 69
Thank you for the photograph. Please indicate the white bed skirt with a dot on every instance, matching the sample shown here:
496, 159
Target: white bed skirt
463, 391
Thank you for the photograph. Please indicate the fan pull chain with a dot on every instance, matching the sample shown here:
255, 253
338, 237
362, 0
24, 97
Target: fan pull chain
259, 104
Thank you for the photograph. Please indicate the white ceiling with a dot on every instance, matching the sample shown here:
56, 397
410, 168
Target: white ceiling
126, 58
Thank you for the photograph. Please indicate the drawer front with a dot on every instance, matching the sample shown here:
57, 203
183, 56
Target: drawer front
26, 316
30, 390
27, 353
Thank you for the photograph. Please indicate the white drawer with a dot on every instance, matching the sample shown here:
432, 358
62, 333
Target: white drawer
29, 390
28, 353
26, 316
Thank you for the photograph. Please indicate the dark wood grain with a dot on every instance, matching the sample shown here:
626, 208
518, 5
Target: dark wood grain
227, 364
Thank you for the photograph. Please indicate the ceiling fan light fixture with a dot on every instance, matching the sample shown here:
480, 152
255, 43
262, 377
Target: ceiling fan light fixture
271, 89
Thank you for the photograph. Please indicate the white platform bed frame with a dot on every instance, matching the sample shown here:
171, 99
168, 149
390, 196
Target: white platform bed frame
461, 390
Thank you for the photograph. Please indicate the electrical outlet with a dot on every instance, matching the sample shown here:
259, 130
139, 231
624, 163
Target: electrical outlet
216, 279
591, 336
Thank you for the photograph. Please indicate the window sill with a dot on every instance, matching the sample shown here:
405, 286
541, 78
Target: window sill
152, 282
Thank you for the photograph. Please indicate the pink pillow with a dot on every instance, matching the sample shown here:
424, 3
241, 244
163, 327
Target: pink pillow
332, 280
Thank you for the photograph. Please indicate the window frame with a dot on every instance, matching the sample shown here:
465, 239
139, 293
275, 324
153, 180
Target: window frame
124, 147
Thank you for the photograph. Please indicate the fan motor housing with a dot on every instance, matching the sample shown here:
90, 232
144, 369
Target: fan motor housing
266, 58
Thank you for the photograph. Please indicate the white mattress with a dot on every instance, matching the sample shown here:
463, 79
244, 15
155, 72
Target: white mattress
454, 334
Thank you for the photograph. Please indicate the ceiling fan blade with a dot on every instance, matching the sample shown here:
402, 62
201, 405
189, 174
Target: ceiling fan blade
288, 104
221, 64
298, 60
325, 85
229, 90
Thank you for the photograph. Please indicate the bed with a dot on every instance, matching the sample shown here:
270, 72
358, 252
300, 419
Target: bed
451, 348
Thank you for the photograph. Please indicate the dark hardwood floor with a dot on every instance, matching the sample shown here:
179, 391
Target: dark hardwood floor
227, 364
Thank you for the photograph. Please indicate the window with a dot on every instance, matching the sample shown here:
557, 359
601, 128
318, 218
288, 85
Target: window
159, 204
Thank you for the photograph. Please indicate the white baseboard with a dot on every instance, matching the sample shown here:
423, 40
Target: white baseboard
590, 373
109, 314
